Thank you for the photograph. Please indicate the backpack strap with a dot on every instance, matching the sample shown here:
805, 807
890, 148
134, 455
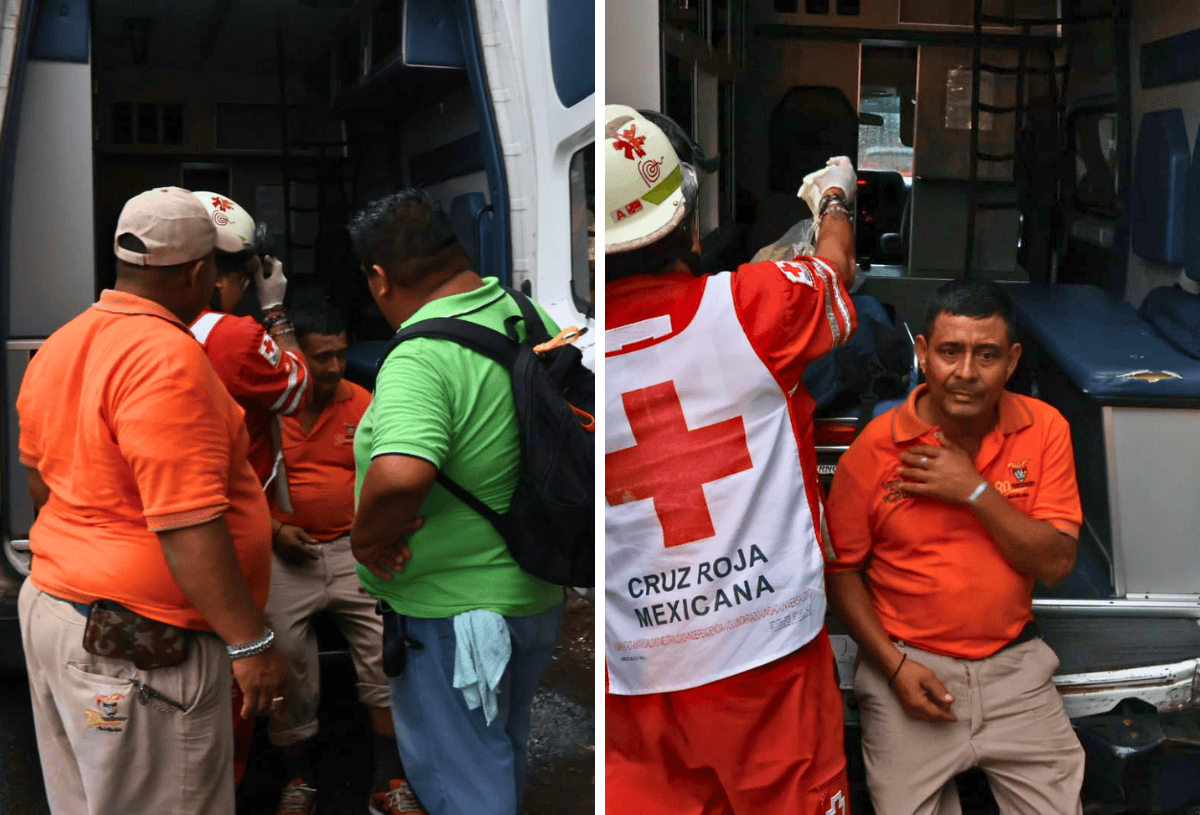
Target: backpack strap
483, 340
535, 329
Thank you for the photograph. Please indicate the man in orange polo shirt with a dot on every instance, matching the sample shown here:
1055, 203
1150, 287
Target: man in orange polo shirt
136, 457
943, 513
315, 570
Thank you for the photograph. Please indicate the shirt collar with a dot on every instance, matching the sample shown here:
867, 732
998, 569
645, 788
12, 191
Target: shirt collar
343, 392
907, 424
120, 302
458, 304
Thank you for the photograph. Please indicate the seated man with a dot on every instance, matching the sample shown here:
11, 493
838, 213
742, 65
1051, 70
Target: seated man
315, 571
943, 513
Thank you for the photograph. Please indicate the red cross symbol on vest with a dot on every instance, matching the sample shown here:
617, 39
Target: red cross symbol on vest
670, 462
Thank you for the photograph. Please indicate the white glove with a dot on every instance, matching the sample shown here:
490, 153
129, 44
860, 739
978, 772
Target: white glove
270, 283
837, 172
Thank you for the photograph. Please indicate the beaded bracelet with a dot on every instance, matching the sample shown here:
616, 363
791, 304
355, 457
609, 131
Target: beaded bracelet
252, 648
835, 207
830, 199
903, 659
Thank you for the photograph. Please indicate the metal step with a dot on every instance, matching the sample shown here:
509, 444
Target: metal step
1114, 642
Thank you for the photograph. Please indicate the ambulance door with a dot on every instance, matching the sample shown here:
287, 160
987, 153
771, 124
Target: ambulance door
47, 256
538, 62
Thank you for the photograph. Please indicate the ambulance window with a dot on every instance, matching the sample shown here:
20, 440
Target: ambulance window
886, 97
582, 178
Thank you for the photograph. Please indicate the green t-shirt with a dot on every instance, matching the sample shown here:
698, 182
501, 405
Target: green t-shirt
453, 407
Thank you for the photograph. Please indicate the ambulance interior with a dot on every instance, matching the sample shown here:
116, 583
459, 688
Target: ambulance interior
302, 111
1051, 146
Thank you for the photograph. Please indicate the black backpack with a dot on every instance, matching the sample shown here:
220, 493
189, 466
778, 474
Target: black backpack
550, 524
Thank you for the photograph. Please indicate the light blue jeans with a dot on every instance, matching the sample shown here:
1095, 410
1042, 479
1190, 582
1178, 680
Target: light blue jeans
457, 764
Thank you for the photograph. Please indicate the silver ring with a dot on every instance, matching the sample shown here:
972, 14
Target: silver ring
276, 702
924, 460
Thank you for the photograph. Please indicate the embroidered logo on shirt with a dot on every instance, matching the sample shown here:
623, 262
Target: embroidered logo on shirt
892, 491
796, 272
107, 719
269, 350
1019, 469
348, 436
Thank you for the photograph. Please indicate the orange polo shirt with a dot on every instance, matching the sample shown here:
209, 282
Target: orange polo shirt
320, 465
127, 423
936, 578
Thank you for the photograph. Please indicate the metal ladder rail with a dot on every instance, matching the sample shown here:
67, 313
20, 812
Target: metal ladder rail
1057, 72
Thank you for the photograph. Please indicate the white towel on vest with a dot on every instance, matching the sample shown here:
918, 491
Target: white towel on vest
481, 653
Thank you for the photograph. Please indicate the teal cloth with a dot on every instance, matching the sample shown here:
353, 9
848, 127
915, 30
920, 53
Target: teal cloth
482, 649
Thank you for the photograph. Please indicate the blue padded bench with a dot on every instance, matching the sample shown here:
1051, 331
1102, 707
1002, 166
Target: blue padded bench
1100, 342
1137, 451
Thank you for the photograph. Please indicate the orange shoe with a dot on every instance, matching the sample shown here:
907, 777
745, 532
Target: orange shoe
398, 800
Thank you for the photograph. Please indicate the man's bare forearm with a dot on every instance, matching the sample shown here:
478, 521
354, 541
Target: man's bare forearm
1031, 546
393, 490
204, 563
835, 241
851, 603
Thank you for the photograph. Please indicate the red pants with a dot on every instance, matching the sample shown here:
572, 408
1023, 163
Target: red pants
765, 740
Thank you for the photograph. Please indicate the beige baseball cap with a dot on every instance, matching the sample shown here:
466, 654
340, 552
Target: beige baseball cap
174, 226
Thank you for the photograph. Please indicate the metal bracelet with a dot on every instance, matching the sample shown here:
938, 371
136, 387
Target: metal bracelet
974, 496
252, 648
275, 331
829, 200
835, 207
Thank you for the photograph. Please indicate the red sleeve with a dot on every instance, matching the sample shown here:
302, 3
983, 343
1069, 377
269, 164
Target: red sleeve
254, 368
1057, 497
793, 312
848, 510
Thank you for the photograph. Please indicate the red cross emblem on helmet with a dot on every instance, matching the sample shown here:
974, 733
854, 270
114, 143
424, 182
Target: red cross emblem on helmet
630, 142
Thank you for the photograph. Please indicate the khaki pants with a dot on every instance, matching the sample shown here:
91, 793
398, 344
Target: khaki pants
329, 583
102, 750
1011, 724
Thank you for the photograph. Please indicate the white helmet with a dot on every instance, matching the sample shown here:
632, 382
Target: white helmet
644, 181
229, 216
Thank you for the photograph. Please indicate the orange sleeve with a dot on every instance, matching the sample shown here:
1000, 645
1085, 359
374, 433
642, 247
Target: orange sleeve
793, 312
848, 510
174, 426
1057, 497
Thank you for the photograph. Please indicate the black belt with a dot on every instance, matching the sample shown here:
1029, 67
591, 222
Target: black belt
1031, 631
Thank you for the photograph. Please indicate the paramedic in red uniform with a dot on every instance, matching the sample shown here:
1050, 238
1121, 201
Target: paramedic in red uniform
262, 369
943, 513
722, 691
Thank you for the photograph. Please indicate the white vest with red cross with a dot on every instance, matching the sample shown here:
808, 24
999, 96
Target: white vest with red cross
712, 566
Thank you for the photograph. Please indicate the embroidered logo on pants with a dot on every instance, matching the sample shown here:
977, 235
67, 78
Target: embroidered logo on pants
107, 719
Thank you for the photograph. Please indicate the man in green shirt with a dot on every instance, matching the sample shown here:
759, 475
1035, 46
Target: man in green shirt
486, 628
